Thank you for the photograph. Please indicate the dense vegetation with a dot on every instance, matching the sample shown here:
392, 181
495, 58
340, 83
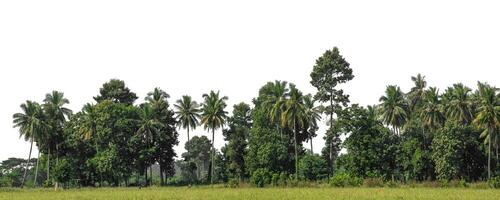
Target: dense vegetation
415, 136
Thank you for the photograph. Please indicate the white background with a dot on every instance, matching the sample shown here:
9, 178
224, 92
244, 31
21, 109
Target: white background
191, 47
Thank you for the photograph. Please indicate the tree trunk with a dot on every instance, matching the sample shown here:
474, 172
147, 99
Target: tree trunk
146, 176
311, 140
188, 132
151, 173
489, 157
48, 164
213, 155
56, 186
161, 174
296, 155
36, 170
27, 164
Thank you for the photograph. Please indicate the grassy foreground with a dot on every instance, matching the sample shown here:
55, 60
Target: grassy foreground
253, 193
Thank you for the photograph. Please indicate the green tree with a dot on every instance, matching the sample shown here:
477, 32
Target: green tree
292, 116
148, 128
56, 114
488, 117
331, 70
312, 116
116, 91
187, 113
31, 125
432, 116
394, 108
213, 117
236, 135
198, 152
417, 92
459, 104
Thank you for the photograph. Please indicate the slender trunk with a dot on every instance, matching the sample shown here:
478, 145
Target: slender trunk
36, 170
48, 164
56, 186
213, 155
489, 157
151, 173
311, 140
146, 176
27, 163
188, 132
331, 137
296, 155
161, 174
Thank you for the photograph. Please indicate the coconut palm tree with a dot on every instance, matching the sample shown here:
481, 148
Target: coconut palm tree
488, 116
56, 115
312, 116
431, 115
149, 126
459, 104
30, 124
417, 92
394, 108
213, 117
292, 116
187, 113
278, 92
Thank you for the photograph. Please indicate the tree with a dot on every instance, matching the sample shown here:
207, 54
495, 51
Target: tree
432, 116
31, 125
187, 114
198, 152
331, 70
236, 135
213, 117
292, 117
394, 108
56, 115
272, 93
148, 128
417, 92
312, 115
116, 91
488, 117
459, 105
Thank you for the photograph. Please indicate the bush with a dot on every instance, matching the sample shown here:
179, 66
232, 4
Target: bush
392, 184
260, 177
283, 179
313, 167
494, 182
275, 179
344, 179
233, 183
373, 182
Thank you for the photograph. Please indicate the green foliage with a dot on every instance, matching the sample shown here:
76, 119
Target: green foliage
233, 183
343, 179
116, 91
312, 167
260, 177
494, 182
237, 138
447, 150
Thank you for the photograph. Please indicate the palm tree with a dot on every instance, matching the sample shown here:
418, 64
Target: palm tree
394, 108
431, 115
279, 92
30, 123
459, 105
488, 116
148, 127
187, 114
292, 116
213, 117
56, 115
89, 126
417, 92
312, 115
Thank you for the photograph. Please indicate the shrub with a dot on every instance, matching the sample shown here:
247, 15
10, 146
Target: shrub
275, 179
313, 167
494, 182
344, 179
260, 177
283, 179
233, 183
373, 182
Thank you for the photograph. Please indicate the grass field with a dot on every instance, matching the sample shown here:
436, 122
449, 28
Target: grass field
252, 193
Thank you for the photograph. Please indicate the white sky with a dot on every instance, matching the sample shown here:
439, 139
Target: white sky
188, 47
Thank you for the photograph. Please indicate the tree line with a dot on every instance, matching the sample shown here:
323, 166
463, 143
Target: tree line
419, 135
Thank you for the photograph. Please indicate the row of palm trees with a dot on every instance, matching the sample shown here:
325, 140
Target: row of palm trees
457, 103
42, 124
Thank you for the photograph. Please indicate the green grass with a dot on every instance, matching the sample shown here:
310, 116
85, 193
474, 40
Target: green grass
252, 193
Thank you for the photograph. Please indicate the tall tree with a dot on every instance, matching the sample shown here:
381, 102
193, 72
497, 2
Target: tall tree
213, 117
187, 113
331, 70
236, 136
30, 123
312, 116
417, 92
56, 114
488, 116
148, 128
394, 108
431, 115
459, 104
116, 91
293, 114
